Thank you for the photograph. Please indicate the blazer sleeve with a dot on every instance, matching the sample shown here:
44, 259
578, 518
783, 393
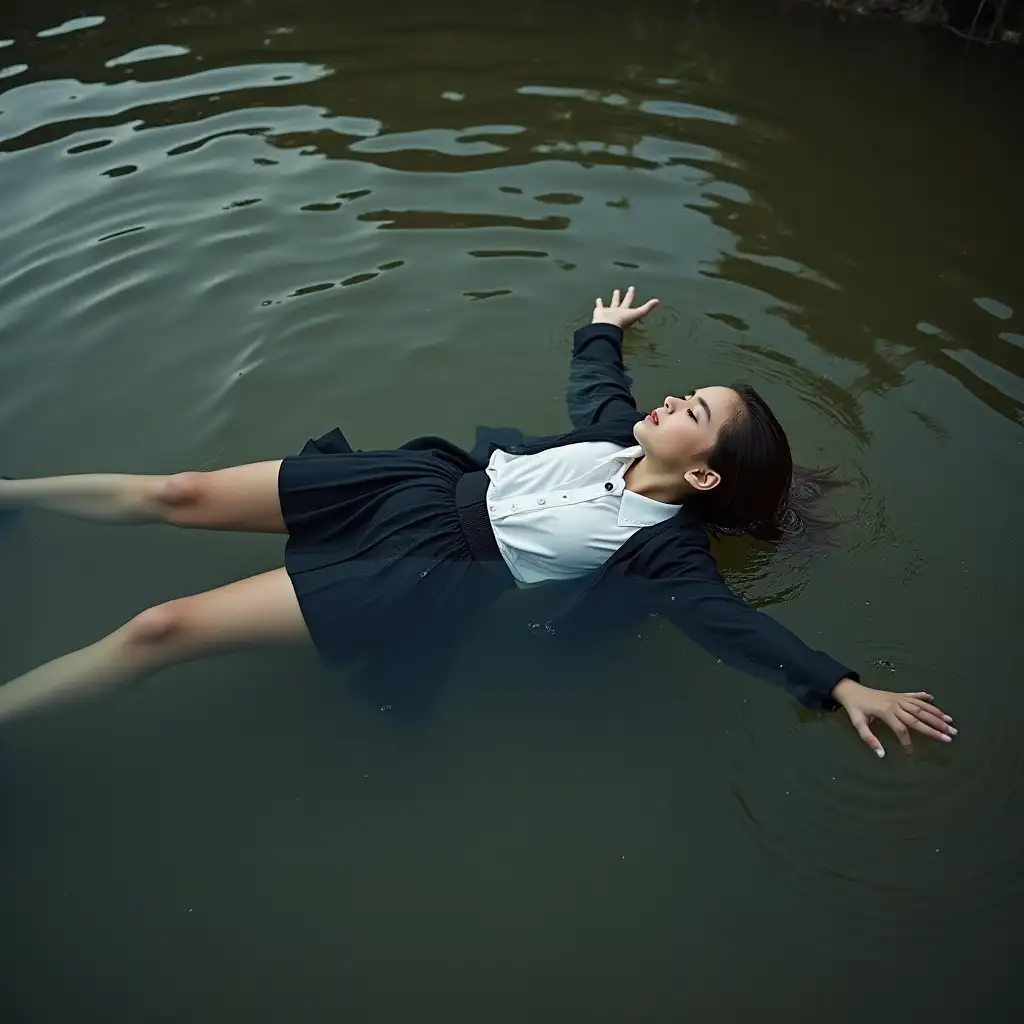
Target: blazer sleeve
691, 594
599, 387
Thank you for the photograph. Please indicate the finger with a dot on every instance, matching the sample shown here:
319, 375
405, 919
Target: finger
642, 311
930, 708
929, 715
925, 701
599, 304
902, 733
615, 297
860, 723
630, 295
920, 726
935, 721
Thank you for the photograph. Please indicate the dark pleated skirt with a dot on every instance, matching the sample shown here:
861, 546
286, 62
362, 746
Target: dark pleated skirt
376, 550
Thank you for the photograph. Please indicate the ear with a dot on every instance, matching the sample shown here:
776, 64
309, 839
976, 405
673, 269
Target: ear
703, 479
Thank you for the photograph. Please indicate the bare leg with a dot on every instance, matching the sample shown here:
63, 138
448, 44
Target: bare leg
240, 498
259, 610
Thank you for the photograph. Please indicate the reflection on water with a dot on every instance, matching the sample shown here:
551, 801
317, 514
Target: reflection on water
227, 228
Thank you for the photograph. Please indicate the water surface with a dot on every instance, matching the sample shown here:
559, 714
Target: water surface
226, 228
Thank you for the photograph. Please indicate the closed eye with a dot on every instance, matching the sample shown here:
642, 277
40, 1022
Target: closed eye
692, 415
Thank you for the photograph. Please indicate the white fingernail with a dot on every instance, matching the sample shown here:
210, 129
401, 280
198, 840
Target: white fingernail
952, 731
879, 751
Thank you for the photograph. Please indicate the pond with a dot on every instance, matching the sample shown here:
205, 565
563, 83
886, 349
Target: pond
227, 228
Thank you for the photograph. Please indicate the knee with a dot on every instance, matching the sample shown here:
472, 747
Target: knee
180, 493
160, 626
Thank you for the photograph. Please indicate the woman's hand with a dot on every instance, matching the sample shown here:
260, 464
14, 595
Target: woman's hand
621, 312
900, 711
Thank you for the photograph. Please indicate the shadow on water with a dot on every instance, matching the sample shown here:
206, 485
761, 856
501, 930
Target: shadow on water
229, 227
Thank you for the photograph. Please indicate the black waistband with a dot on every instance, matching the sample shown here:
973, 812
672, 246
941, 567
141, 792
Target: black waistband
471, 505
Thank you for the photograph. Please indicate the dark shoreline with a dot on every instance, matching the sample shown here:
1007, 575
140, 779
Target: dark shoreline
989, 22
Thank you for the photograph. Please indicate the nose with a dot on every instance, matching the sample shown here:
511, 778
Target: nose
671, 403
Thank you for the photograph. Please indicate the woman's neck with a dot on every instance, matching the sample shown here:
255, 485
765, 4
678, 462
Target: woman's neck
650, 481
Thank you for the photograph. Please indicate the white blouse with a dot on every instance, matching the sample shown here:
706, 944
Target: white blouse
561, 513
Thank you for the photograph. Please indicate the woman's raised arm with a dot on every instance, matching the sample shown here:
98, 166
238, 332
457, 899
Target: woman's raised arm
599, 387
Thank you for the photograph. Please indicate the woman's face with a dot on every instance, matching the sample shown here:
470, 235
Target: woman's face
679, 433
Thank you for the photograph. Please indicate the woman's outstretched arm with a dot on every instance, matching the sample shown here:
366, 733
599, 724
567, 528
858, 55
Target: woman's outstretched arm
599, 387
692, 594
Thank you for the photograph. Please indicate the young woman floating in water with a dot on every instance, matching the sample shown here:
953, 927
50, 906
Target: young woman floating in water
395, 545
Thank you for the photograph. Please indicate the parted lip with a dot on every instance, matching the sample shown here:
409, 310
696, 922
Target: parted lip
653, 416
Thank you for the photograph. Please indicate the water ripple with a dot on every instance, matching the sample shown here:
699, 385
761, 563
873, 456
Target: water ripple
146, 53
405, 220
72, 25
875, 852
39, 106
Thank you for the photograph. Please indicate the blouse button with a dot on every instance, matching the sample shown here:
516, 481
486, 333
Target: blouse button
515, 508
542, 501
609, 486
493, 508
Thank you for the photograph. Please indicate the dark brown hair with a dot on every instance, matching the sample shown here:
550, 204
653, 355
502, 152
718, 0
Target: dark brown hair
760, 493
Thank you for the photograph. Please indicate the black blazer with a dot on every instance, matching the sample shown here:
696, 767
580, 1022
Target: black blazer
666, 568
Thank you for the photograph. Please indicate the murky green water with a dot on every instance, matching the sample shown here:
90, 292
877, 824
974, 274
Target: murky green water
225, 228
